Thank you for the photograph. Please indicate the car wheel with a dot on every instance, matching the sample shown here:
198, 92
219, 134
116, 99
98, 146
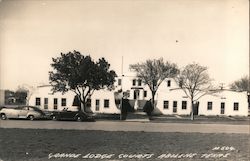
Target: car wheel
3, 116
79, 118
31, 117
54, 118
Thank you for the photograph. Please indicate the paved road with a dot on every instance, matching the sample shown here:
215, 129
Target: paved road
127, 126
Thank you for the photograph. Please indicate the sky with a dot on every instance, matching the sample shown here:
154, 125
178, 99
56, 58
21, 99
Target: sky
209, 32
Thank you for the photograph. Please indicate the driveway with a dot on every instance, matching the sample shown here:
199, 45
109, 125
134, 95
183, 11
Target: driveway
127, 126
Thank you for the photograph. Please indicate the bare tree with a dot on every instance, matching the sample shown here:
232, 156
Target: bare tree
241, 84
195, 82
153, 73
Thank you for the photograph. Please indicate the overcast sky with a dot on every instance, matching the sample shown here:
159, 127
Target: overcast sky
213, 33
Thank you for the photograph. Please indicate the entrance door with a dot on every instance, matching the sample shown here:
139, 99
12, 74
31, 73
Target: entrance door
222, 108
136, 94
174, 106
196, 108
97, 105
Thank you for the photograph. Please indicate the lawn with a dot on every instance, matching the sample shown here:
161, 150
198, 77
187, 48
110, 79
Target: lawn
74, 145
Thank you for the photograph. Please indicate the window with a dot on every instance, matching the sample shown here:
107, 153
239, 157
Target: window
139, 82
169, 83
38, 101
97, 105
64, 102
32, 109
236, 106
55, 103
165, 104
46, 100
106, 103
175, 106
88, 102
184, 105
134, 82
119, 82
209, 105
76, 101
126, 94
145, 93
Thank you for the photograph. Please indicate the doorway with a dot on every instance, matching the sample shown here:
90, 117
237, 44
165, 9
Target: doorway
222, 108
175, 107
136, 94
196, 108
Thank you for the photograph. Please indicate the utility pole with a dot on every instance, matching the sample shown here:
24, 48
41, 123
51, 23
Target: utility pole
248, 90
121, 106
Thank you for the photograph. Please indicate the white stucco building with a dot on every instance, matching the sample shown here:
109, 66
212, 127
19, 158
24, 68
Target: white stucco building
170, 99
46, 100
224, 102
173, 100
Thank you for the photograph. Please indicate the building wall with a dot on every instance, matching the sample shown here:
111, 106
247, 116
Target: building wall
127, 85
172, 96
229, 98
168, 91
101, 96
44, 92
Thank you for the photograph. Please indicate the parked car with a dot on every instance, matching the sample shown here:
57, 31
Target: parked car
72, 115
1, 107
23, 112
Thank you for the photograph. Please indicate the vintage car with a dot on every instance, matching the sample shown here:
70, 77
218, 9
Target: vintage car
21, 112
72, 115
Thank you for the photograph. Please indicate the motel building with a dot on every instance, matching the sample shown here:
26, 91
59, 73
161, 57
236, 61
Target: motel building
170, 99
